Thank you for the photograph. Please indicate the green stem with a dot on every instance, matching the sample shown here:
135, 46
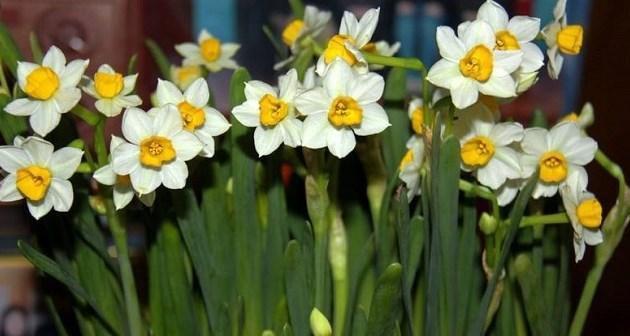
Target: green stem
338, 256
399, 62
614, 170
86, 115
557, 218
590, 286
482, 192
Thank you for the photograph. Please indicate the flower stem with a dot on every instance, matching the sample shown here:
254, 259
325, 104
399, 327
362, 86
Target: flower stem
482, 192
86, 115
557, 218
613, 169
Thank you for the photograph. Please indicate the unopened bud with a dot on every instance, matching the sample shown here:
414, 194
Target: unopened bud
319, 324
487, 224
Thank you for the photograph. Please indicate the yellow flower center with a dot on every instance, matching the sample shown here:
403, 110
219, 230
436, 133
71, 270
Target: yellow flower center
589, 213
406, 160
417, 119
477, 64
272, 110
108, 85
185, 75
41, 83
211, 49
573, 117
123, 180
553, 167
477, 151
156, 151
192, 117
336, 48
33, 182
570, 39
345, 111
292, 31
370, 47
507, 41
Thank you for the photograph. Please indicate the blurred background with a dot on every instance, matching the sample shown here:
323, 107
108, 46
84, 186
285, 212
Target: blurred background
111, 31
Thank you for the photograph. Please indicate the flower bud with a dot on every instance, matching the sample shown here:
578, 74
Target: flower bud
319, 324
487, 224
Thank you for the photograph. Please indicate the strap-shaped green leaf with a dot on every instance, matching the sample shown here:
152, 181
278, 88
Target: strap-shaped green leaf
386, 306
9, 52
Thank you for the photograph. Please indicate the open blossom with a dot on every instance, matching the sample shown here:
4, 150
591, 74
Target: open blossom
210, 52
346, 105
157, 151
353, 36
185, 75
311, 25
198, 118
486, 148
561, 38
471, 64
51, 90
122, 189
409, 167
557, 154
39, 174
112, 91
272, 112
585, 214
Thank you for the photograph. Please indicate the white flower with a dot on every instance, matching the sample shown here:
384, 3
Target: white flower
470, 64
123, 192
485, 148
584, 119
353, 36
585, 213
112, 91
203, 121
39, 175
561, 39
557, 154
158, 149
507, 191
312, 25
311, 79
415, 111
409, 168
209, 52
51, 89
184, 75
345, 106
272, 113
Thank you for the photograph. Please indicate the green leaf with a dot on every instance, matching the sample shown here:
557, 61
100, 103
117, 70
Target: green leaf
359, 322
278, 46
403, 231
466, 259
9, 51
298, 289
297, 8
164, 66
132, 66
534, 304
10, 125
61, 330
396, 85
386, 307
36, 48
303, 61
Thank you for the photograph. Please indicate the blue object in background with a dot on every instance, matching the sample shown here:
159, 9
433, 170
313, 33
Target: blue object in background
218, 17
404, 30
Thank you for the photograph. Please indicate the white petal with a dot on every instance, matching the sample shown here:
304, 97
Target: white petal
374, 120
505, 133
464, 93
229, 49
576, 181
198, 94
8, 189
510, 162
339, 75
64, 162
443, 73
145, 180
13, 158
535, 141
313, 101
288, 85
186, 145
491, 175
107, 107
167, 93
22, 107
208, 144
174, 174
292, 132
267, 140
215, 123
349, 24
45, 119
507, 192
39, 150
147, 199
478, 32
367, 88
247, 113
105, 175
129, 84
23, 70
67, 98
72, 73
499, 86
125, 158
340, 141
55, 60
314, 129
366, 27
582, 151
449, 45
136, 125
592, 237
167, 121
115, 142
506, 62
41, 208
533, 58
255, 90
524, 28
60, 194
127, 101
529, 164
122, 197
494, 14
578, 248
563, 135
544, 190
187, 50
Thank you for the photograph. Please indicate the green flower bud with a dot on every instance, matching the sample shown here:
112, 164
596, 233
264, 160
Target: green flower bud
319, 324
487, 224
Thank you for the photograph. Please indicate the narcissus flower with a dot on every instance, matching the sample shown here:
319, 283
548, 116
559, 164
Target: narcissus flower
471, 64
209, 52
51, 90
584, 119
409, 167
353, 36
184, 75
416, 116
346, 105
39, 174
198, 118
557, 154
112, 91
561, 38
585, 213
486, 148
272, 112
157, 151
122, 189
311, 25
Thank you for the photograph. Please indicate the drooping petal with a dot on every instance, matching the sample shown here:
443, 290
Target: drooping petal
105, 175
208, 143
174, 174
41, 208
122, 196
145, 180
65, 161
544, 190
136, 125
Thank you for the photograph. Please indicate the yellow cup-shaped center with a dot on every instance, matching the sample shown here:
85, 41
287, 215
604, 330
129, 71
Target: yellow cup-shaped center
345, 112
417, 119
589, 213
570, 39
507, 41
192, 117
33, 182
406, 160
477, 64
477, 151
272, 110
337, 48
553, 167
41, 83
185, 75
108, 85
156, 151
210, 49
292, 31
